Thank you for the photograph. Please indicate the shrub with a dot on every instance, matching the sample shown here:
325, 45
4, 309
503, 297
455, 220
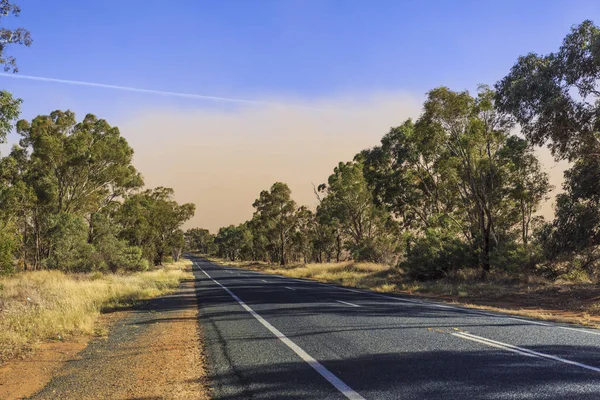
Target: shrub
436, 254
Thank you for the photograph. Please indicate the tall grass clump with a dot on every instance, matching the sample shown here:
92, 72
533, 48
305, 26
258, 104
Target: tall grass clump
51, 305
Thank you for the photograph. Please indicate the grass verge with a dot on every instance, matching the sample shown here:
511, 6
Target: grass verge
528, 296
50, 305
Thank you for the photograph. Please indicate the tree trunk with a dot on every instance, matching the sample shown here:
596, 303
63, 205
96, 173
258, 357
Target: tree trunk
524, 223
282, 249
338, 254
176, 253
485, 250
159, 257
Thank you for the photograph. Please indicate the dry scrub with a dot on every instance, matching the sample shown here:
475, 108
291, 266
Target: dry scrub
51, 305
530, 296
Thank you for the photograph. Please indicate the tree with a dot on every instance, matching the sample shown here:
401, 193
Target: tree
11, 36
81, 167
349, 202
231, 241
554, 97
527, 184
71, 168
575, 230
276, 211
199, 239
456, 180
10, 109
151, 220
176, 242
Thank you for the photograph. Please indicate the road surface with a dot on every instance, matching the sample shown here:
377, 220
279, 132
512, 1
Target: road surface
273, 337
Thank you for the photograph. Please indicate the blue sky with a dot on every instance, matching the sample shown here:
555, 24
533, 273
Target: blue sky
285, 48
374, 60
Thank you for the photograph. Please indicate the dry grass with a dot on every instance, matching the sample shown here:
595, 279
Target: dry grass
51, 305
528, 295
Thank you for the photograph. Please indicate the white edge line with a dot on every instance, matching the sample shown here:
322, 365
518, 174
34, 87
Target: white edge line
521, 350
317, 366
463, 309
349, 304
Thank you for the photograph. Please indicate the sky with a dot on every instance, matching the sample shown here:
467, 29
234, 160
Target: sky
320, 79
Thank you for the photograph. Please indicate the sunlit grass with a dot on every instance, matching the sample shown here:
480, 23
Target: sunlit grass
463, 287
47, 305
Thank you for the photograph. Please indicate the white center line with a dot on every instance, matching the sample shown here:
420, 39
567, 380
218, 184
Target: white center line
444, 306
348, 304
317, 366
287, 287
520, 350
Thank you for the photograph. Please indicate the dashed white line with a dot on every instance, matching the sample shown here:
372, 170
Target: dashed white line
264, 281
520, 350
348, 304
287, 287
437, 305
317, 366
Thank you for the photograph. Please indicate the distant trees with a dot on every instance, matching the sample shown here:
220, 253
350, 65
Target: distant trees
151, 220
368, 231
198, 239
454, 189
276, 216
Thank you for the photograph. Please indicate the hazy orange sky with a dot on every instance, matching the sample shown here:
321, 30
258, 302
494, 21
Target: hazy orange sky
221, 160
161, 75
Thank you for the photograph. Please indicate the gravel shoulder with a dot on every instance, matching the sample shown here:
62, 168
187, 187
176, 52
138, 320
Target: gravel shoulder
150, 352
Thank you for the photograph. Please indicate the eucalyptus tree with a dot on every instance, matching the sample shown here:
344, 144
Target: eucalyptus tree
554, 97
276, 213
152, 220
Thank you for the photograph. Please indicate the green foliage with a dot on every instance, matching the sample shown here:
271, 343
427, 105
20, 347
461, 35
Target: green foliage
151, 220
9, 37
10, 108
232, 240
276, 217
70, 251
554, 97
8, 247
574, 235
349, 205
201, 240
437, 253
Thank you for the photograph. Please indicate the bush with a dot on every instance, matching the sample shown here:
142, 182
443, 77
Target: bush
70, 251
8, 246
513, 257
436, 254
116, 255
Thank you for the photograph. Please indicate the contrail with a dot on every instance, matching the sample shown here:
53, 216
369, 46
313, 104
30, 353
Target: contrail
139, 90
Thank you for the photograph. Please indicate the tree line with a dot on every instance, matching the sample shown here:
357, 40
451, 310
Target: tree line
459, 187
70, 199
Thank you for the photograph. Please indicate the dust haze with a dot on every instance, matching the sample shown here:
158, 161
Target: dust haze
221, 159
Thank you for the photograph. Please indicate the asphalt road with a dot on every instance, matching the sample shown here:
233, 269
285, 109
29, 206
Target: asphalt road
272, 337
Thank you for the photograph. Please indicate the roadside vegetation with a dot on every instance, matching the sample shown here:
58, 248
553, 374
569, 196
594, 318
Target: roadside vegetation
70, 198
79, 232
532, 296
39, 306
447, 204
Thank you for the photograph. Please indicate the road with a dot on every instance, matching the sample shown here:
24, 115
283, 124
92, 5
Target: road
273, 337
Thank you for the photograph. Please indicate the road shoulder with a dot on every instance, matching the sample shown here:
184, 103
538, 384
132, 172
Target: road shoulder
152, 351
